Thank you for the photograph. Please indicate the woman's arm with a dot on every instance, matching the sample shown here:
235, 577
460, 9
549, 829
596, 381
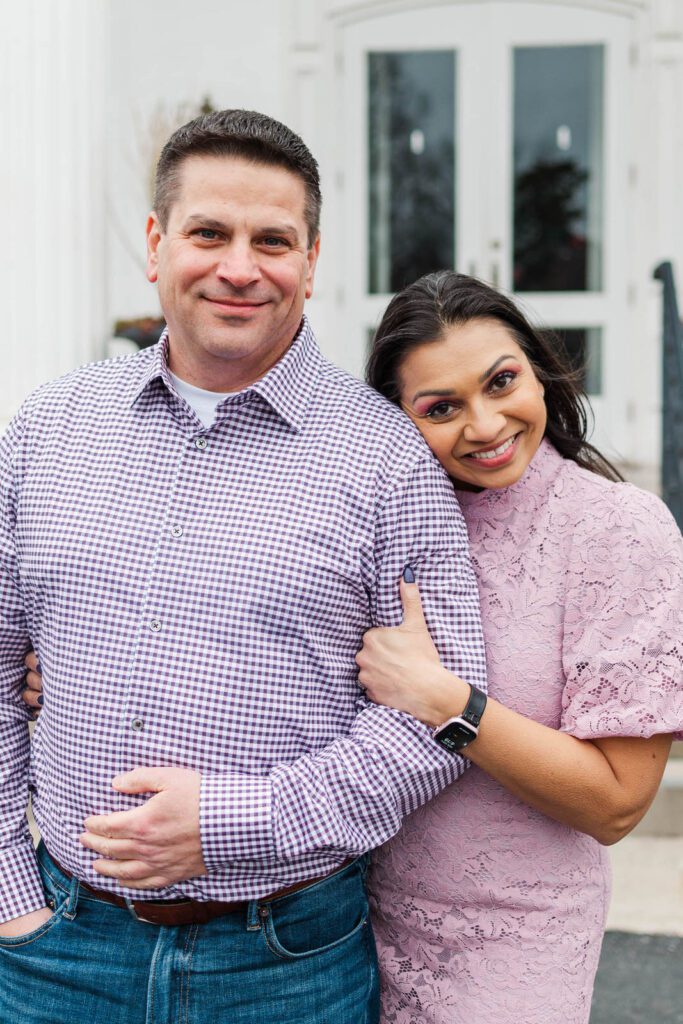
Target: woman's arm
602, 787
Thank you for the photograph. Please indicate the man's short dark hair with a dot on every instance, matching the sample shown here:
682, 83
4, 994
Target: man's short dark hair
238, 133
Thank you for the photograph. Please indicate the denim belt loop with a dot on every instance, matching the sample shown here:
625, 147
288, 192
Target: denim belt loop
253, 916
72, 902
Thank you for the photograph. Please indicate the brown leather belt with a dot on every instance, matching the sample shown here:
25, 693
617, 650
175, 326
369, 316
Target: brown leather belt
174, 913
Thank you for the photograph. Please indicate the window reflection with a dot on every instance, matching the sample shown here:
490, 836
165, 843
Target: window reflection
412, 166
558, 168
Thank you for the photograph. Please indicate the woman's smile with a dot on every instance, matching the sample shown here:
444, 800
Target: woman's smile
492, 458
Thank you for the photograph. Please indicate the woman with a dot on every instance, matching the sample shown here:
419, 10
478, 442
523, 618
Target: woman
490, 904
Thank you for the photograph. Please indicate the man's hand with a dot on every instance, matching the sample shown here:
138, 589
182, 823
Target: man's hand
33, 691
156, 844
25, 924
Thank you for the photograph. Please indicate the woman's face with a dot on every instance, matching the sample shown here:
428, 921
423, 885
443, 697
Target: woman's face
477, 402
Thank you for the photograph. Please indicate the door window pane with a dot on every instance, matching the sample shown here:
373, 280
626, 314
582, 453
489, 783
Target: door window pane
558, 168
583, 345
412, 166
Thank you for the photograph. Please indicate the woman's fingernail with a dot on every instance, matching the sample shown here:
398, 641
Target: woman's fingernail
40, 698
408, 575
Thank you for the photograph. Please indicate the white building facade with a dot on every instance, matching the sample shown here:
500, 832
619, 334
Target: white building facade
535, 144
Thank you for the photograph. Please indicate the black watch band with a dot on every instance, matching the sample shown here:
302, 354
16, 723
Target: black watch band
458, 732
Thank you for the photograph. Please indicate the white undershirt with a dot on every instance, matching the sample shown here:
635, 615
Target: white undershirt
203, 402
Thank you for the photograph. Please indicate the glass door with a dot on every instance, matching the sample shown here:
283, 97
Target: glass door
411, 165
491, 141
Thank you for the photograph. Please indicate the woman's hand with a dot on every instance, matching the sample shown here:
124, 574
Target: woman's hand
32, 693
400, 667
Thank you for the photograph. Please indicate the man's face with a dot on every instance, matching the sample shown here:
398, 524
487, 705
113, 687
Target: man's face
233, 269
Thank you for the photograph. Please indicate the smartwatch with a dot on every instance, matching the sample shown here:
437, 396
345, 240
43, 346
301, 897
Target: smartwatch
458, 732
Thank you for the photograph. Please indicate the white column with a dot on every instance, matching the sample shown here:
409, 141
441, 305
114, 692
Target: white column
668, 59
52, 262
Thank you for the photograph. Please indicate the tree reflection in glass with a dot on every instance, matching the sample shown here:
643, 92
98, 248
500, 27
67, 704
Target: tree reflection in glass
558, 142
412, 166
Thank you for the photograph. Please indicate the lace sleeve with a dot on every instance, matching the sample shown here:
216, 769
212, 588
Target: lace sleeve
623, 629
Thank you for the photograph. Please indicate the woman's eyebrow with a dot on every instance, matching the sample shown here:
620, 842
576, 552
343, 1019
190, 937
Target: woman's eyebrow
441, 393
491, 369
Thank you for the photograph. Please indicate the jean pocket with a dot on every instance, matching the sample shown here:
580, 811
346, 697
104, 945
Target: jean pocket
27, 938
57, 899
316, 921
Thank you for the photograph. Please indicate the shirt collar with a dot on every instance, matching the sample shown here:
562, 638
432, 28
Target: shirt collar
156, 368
287, 387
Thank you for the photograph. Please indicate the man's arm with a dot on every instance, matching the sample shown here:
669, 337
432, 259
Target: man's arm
351, 796
21, 891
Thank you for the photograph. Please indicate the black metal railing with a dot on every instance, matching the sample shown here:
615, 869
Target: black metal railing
672, 394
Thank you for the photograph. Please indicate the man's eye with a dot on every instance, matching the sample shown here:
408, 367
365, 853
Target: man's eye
273, 242
208, 234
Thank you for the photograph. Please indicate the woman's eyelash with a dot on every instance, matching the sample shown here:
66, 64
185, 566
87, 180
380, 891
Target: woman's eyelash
444, 407
504, 378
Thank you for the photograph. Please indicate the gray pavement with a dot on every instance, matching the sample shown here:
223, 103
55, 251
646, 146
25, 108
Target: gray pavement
640, 980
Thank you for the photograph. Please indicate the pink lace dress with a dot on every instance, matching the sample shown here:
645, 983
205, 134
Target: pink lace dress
486, 911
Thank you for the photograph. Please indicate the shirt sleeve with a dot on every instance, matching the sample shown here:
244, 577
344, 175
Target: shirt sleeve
623, 649
352, 796
20, 887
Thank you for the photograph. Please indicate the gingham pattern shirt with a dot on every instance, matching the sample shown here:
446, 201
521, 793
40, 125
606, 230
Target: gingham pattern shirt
196, 598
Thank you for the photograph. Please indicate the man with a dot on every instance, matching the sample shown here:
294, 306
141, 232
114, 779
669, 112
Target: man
194, 540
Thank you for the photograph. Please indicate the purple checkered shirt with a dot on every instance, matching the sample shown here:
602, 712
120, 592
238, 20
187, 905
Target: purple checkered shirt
196, 598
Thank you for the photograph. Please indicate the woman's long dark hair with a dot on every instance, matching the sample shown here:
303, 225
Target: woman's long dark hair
420, 314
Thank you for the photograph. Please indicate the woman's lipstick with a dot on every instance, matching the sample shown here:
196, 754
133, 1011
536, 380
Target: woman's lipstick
494, 457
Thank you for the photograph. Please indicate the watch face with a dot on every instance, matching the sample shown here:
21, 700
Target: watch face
456, 735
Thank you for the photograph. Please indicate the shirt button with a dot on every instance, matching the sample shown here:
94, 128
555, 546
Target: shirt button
176, 531
137, 725
155, 625
201, 443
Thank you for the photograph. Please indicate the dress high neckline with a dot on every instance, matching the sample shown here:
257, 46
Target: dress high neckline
498, 501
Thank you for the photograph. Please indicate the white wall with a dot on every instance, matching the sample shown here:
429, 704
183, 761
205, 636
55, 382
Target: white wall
165, 55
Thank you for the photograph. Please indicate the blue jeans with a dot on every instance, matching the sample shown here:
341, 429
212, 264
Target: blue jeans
307, 958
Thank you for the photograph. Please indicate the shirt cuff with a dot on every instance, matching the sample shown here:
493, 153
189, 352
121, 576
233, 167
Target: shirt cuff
236, 820
21, 888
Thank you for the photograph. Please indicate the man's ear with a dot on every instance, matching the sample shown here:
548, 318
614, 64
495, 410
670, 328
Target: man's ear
312, 257
154, 234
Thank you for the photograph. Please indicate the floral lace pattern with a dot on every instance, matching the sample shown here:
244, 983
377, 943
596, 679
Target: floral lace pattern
486, 911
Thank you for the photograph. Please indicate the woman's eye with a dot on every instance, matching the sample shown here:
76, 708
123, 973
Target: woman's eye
503, 380
440, 411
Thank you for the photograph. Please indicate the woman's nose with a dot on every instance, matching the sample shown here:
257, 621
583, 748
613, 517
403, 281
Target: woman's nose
484, 424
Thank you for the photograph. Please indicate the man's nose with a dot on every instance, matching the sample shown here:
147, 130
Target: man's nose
238, 265
484, 424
